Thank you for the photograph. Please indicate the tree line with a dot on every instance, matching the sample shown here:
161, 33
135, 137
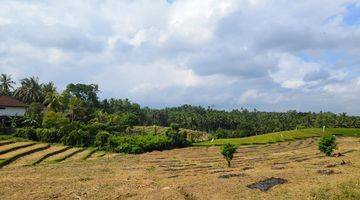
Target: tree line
80, 103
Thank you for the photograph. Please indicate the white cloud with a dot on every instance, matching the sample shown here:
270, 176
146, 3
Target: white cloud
292, 71
265, 54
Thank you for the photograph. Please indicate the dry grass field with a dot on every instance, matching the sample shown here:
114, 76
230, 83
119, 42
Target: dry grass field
188, 173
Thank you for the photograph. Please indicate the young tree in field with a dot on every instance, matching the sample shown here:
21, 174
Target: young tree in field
327, 144
6, 84
228, 151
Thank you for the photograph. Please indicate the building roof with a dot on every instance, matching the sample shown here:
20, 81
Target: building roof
10, 102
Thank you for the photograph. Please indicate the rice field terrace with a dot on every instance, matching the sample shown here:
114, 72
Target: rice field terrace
283, 136
42, 171
29, 153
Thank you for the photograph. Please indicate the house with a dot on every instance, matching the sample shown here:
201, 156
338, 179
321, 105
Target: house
11, 107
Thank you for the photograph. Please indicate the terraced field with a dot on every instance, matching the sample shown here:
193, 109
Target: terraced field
15, 154
283, 136
188, 173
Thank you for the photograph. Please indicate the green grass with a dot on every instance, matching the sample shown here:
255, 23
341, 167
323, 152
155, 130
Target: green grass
12, 138
348, 190
282, 136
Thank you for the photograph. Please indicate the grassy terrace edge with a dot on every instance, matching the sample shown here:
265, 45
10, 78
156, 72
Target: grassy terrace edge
282, 136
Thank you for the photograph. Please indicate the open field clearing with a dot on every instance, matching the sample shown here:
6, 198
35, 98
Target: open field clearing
190, 173
283, 136
20, 154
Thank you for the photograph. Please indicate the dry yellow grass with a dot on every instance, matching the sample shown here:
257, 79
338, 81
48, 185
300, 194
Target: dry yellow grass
18, 151
188, 173
8, 146
29, 159
61, 155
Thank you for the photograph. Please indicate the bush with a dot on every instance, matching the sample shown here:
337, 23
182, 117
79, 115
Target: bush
27, 132
54, 120
116, 128
78, 138
175, 126
139, 143
228, 151
50, 135
94, 128
102, 139
221, 133
327, 144
177, 138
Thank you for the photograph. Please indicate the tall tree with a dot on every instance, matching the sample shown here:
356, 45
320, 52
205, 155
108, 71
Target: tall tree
48, 88
87, 93
53, 102
29, 91
76, 109
6, 84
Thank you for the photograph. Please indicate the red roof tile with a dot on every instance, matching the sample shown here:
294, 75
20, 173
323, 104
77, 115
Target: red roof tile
10, 102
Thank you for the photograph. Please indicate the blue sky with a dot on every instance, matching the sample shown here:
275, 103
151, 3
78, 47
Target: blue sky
273, 55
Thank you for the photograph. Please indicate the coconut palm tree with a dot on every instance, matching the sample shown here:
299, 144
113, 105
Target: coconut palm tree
29, 91
48, 88
52, 101
76, 109
6, 84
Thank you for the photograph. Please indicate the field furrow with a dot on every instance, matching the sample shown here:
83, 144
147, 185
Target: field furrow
15, 146
30, 159
33, 149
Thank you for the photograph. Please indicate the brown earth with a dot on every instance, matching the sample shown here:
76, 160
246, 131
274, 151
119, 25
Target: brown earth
188, 173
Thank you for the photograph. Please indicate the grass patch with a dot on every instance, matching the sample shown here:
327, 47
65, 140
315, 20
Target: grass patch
12, 138
67, 156
92, 151
17, 156
271, 138
349, 190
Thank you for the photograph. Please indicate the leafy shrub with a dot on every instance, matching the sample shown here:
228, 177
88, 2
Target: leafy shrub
94, 128
78, 138
222, 133
228, 151
175, 126
116, 128
27, 132
50, 135
33, 115
327, 144
177, 138
139, 143
102, 139
54, 120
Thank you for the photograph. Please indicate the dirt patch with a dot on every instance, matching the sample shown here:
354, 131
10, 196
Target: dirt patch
226, 176
327, 172
265, 185
247, 168
278, 167
337, 154
185, 194
349, 151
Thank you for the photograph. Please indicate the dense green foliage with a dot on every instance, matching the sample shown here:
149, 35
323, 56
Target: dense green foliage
102, 139
27, 132
76, 115
222, 133
228, 151
327, 144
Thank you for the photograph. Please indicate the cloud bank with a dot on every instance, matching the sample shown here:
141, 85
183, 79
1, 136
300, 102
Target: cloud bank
272, 55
